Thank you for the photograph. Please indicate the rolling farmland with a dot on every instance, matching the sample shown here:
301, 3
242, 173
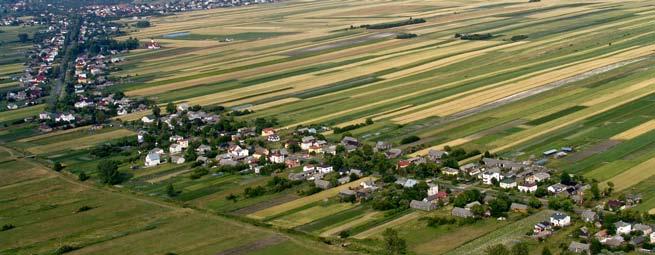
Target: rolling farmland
551, 74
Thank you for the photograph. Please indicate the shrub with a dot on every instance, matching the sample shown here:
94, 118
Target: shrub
409, 139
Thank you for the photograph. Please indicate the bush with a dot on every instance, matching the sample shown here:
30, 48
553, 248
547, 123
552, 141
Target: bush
410, 21
6, 227
198, 172
57, 166
142, 24
83, 209
519, 38
409, 139
405, 36
474, 37
65, 249
82, 176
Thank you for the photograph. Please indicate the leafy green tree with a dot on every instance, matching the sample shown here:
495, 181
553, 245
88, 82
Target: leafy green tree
108, 172
595, 247
170, 108
546, 251
595, 191
156, 111
82, 176
23, 37
393, 244
520, 249
170, 190
57, 166
232, 197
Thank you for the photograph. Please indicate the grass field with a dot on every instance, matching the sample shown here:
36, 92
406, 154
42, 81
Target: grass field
42, 205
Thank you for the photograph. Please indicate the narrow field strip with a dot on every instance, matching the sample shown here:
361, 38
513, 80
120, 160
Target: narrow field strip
636, 131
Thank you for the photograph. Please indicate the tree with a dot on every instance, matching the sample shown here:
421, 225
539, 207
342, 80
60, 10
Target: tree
108, 172
498, 249
170, 190
156, 111
541, 192
369, 121
232, 197
520, 249
101, 117
546, 251
535, 203
57, 166
142, 24
595, 191
393, 244
610, 188
82, 176
170, 108
596, 247
23, 37
565, 178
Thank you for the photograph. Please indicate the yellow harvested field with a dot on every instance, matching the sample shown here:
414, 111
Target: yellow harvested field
633, 175
270, 104
636, 131
80, 143
540, 130
622, 91
453, 143
271, 211
494, 92
558, 12
399, 221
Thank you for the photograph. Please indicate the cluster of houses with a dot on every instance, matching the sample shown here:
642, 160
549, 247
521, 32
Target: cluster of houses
41, 59
159, 8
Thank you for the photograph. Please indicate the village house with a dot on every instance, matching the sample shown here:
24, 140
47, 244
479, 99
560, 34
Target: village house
277, 158
177, 159
436, 155
516, 207
382, 146
237, 151
322, 184
422, 205
623, 228
393, 153
577, 247
148, 119
508, 183
450, 171
175, 148
527, 187
324, 169
491, 174
406, 183
268, 131
152, 159
588, 216
273, 138
461, 212
557, 188
560, 219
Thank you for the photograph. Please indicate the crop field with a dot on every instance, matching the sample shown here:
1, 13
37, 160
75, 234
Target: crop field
42, 205
553, 74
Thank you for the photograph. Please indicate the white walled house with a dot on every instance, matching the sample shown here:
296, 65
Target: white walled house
152, 159
489, 175
559, 219
528, 187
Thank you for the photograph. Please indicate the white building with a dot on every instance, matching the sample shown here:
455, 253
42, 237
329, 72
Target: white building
277, 158
559, 219
508, 183
489, 175
152, 159
623, 228
433, 189
528, 187
175, 148
324, 169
